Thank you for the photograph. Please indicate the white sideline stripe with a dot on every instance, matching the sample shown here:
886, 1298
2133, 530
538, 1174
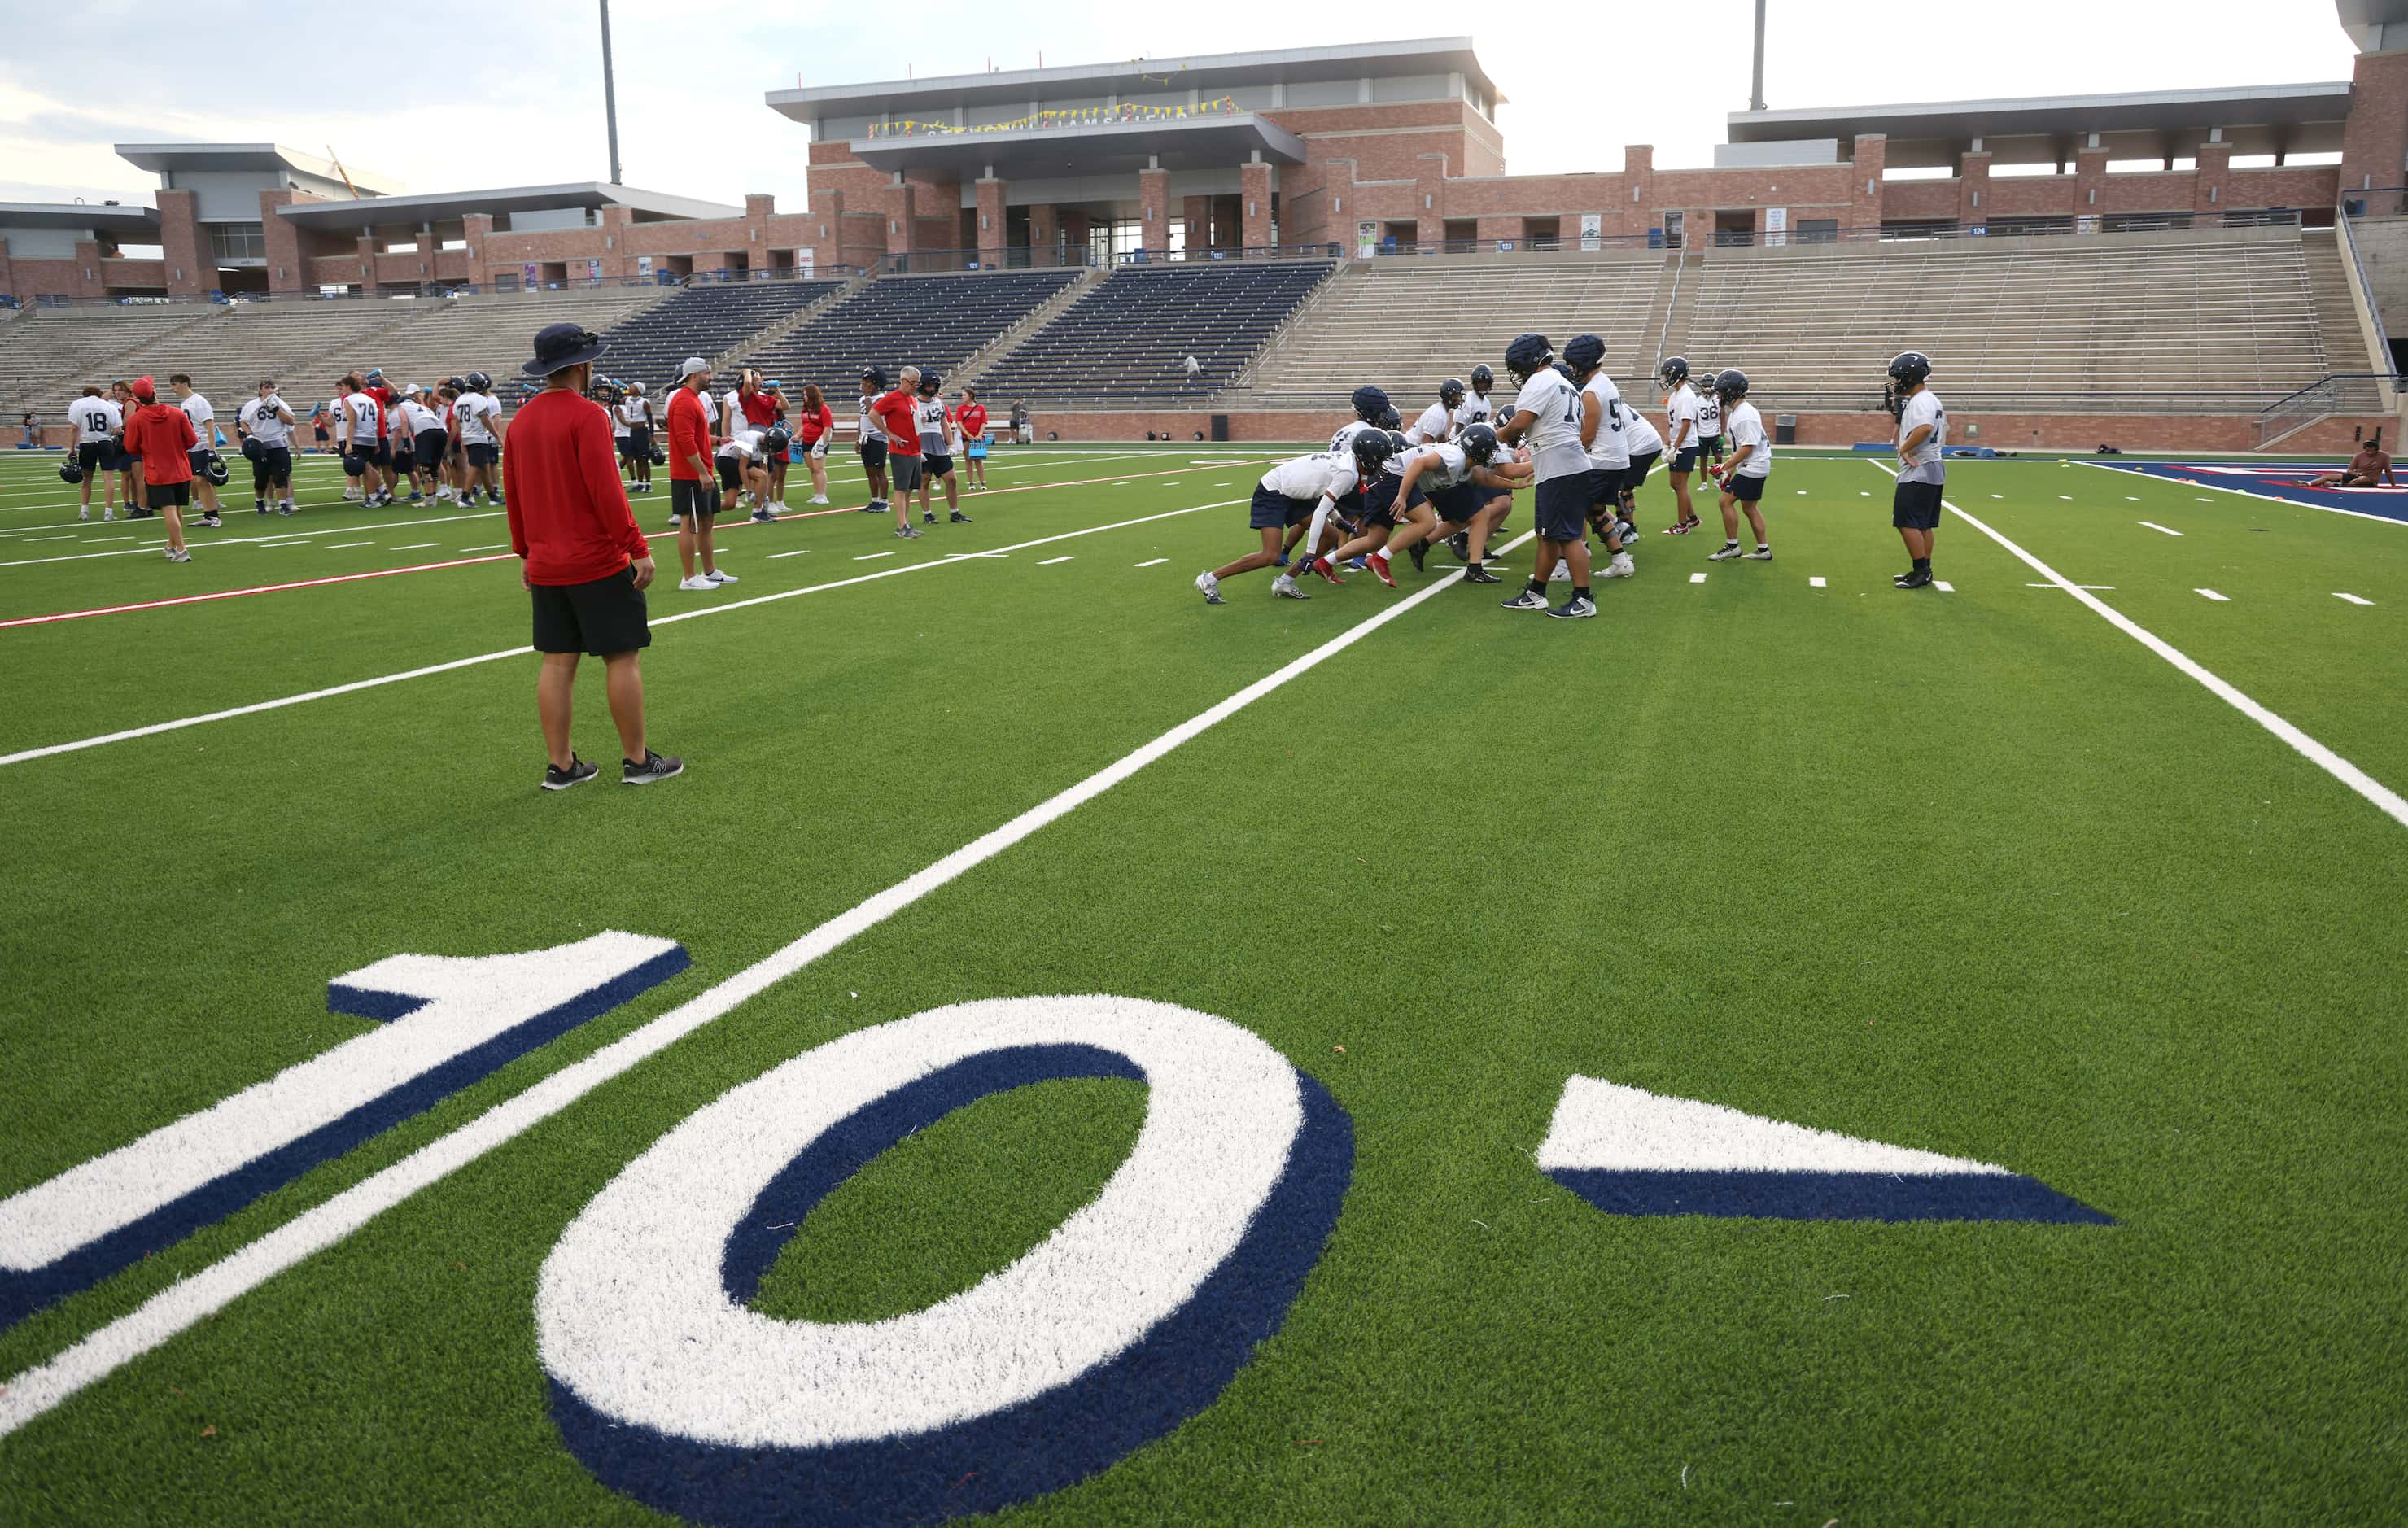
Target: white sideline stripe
1156, 562
2135, 498
2155, 526
2352, 598
498, 546
181, 1305
775, 555
1051, 561
2211, 593
415, 546
1814, 583
1697, 578
872, 556
341, 546
2109, 586
130, 733
281, 538
2384, 799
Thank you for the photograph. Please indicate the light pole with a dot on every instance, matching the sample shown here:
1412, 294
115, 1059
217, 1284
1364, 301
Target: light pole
610, 89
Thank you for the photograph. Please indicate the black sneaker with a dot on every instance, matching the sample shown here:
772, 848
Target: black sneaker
578, 773
1476, 574
930, 516
1420, 554
1919, 578
1460, 544
654, 768
762, 517
960, 519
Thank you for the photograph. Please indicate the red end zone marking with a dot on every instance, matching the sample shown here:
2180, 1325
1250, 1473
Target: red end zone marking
238, 594
461, 562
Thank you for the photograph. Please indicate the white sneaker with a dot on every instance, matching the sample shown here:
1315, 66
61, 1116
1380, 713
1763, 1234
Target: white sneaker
722, 576
1563, 574
1621, 568
819, 498
697, 585
84, 513
107, 515
1210, 587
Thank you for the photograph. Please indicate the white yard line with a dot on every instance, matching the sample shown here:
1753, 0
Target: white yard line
2163, 529
2352, 598
1697, 578
1814, 583
414, 546
2381, 796
341, 546
2210, 593
78, 746
775, 555
1051, 561
1156, 562
194, 1299
872, 556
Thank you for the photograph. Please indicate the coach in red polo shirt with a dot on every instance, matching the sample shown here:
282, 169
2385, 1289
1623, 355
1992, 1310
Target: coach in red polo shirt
585, 563
897, 413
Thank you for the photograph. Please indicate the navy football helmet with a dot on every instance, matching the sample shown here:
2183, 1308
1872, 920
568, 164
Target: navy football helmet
1482, 379
213, 467
1528, 355
1731, 386
875, 376
1585, 354
1478, 445
1672, 371
1389, 419
71, 471
1909, 367
1449, 393
1369, 402
1372, 448
479, 382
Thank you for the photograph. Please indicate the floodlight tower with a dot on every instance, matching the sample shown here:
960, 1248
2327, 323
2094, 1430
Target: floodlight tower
610, 89
1755, 94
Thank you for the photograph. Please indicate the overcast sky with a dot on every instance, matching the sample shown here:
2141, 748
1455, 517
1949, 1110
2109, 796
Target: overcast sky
509, 93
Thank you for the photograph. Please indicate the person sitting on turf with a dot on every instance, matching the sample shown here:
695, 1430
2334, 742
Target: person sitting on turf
2370, 468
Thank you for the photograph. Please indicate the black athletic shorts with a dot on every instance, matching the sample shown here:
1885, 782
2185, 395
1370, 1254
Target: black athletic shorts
905, 471
640, 440
1380, 500
731, 477
1745, 487
162, 494
482, 456
935, 465
693, 497
1686, 459
1605, 485
1916, 507
95, 456
1710, 444
1562, 506
1641, 465
604, 617
872, 453
271, 468
1457, 505
1272, 510
430, 449
122, 460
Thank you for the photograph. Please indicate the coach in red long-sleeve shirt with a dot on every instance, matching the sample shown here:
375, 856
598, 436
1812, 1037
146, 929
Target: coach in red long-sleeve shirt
585, 563
161, 435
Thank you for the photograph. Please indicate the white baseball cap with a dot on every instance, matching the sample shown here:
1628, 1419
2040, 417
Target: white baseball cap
693, 364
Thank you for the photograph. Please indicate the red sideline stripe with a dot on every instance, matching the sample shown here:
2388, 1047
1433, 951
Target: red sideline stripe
263, 589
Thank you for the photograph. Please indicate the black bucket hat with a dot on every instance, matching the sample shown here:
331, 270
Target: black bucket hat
561, 346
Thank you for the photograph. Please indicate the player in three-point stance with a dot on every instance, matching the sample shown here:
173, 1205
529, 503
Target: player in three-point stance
1465, 488
1922, 465
1547, 414
1742, 478
1304, 491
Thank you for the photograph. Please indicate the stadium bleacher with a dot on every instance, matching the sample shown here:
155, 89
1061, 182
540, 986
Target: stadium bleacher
489, 333
931, 321
228, 354
1131, 336
46, 355
2209, 316
1408, 324
706, 319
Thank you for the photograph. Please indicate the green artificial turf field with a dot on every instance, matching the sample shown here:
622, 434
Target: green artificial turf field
1976, 873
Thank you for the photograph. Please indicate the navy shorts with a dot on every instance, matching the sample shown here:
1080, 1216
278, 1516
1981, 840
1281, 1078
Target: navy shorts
1562, 508
1272, 510
1605, 485
872, 453
1380, 500
1457, 505
1686, 459
1916, 507
199, 457
271, 468
1745, 488
1641, 465
603, 616
481, 455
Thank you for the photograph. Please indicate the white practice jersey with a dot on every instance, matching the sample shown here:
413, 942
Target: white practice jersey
264, 420
870, 428
1431, 426
476, 412
1710, 416
95, 419
1929, 461
928, 415
417, 418
361, 419
1745, 427
1554, 438
1309, 477
1609, 450
197, 409
1473, 410
1679, 409
743, 444
1643, 437
1342, 443
1443, 466
634, 411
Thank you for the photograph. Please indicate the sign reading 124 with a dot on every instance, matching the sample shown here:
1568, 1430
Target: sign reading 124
1129, 1317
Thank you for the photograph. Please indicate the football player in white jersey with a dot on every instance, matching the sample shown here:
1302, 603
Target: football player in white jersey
636, 412
477, 427
1684, 441
1547, 414
1443, 486
1646, 449
936, 449
204, 436
96, 422
1477, 410
1743, 477
870, 440
1303, 491
1605, 436
267, 426
1922, 462
1437, 421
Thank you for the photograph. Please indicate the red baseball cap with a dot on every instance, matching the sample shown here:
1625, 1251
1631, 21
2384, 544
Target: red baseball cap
145, 390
